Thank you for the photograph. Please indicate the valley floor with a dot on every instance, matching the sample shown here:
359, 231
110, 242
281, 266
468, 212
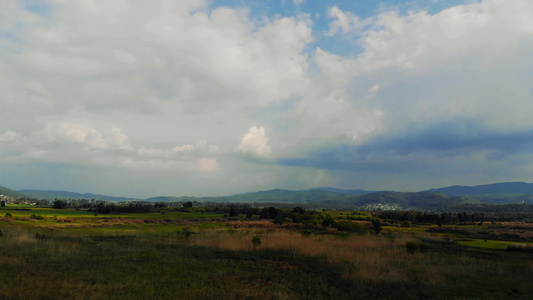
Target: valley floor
62, 254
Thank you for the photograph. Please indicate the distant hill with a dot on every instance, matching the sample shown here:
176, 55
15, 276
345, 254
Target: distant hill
500, 193
279, 195
10, 193
421, 201
495, 188
52, 195
276, 195
446, 198
341, 191
172, 199
334, 198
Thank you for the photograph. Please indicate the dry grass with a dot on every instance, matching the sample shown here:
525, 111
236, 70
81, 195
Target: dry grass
366, 257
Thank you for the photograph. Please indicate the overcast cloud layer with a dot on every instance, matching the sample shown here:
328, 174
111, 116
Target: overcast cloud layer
146, 98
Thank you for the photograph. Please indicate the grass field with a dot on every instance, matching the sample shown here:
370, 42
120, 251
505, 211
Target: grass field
490, 244
182, 256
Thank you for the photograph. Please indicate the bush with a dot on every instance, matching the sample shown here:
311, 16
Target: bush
36, 217
376, 225
187, 232
520, 248
40, 236
256, 241
8, 215
352, 227
413, 247
65, 220
331, 230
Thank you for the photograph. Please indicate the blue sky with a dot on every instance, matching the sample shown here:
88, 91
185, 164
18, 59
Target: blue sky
202, 98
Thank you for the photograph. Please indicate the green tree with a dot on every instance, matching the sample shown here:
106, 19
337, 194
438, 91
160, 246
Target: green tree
376, 225
233, 212
328, 221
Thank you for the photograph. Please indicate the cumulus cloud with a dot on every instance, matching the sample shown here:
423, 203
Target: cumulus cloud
118, 138
430, 67
8, 135
255, 142
345, 22
183, 148
132, 85
421, 71
208, 164
75, 133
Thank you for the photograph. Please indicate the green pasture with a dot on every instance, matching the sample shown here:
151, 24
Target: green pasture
490, 244
28, 210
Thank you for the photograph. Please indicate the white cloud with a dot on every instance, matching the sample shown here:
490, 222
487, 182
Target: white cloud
255, 142
208, 164
75, 133
345, 22
372, 91
118, 138
8, 136
9, 15
133, 84
430, 68
183, 148
151, 164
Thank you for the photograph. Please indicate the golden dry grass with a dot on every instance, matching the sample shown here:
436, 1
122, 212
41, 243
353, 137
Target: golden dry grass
366, 257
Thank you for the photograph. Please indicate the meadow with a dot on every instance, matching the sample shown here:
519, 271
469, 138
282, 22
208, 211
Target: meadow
73, 254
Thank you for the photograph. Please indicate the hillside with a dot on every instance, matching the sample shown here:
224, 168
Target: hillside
52, 195
172, 199
447, 198
342, 191
498, 193
503, 188
10, 193
279, 195
422, 201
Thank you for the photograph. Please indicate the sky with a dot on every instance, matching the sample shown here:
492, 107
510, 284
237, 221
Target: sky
210, 98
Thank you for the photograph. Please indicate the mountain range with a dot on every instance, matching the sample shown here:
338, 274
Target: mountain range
433, 199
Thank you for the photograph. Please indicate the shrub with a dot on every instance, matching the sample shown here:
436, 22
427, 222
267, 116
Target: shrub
256, 241
411, 247
331, 230
65, 220
187, 232
352, 227
9, 215
40, 236
520, 248
376, 225
36, 217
